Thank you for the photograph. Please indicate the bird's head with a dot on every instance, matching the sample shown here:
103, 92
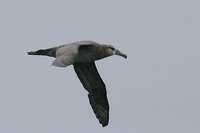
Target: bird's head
113, 51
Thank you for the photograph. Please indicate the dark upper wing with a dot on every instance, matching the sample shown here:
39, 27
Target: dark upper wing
92, 82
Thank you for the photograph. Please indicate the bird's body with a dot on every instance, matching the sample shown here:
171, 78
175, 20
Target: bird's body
82, 55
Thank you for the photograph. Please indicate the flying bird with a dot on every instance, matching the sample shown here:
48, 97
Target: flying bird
82, 55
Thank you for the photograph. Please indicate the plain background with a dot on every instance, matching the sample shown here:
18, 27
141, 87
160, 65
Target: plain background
156, 90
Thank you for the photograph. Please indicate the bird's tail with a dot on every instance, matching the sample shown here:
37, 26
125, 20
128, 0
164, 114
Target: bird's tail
46, 52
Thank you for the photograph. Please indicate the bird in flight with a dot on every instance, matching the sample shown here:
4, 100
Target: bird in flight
82, 55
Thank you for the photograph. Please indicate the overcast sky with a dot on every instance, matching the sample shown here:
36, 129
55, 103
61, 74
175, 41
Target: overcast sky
156, 90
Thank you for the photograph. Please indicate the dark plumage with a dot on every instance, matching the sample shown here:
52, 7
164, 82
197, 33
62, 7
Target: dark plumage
82, 56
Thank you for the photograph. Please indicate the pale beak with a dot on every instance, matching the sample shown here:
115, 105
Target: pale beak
117, 52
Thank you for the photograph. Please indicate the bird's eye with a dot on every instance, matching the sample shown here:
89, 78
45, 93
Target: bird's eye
112, 48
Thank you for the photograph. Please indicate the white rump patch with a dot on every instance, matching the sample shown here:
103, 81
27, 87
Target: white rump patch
58, 63
63, 61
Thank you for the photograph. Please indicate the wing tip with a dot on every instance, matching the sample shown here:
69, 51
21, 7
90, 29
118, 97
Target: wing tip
104, 124
103, 121
102, 114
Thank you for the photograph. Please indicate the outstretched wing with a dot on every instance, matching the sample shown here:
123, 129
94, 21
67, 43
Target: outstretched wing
92, 82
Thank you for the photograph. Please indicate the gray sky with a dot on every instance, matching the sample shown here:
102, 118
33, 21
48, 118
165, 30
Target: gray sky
156, 90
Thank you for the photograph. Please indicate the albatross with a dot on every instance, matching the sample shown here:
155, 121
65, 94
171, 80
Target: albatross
82, 55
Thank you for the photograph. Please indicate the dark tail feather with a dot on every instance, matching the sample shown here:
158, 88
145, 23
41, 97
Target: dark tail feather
46, 52
31, 53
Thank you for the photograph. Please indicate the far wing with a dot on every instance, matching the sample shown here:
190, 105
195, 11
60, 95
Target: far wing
92, 82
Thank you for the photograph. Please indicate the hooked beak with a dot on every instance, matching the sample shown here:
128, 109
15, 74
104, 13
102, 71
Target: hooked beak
117, 52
